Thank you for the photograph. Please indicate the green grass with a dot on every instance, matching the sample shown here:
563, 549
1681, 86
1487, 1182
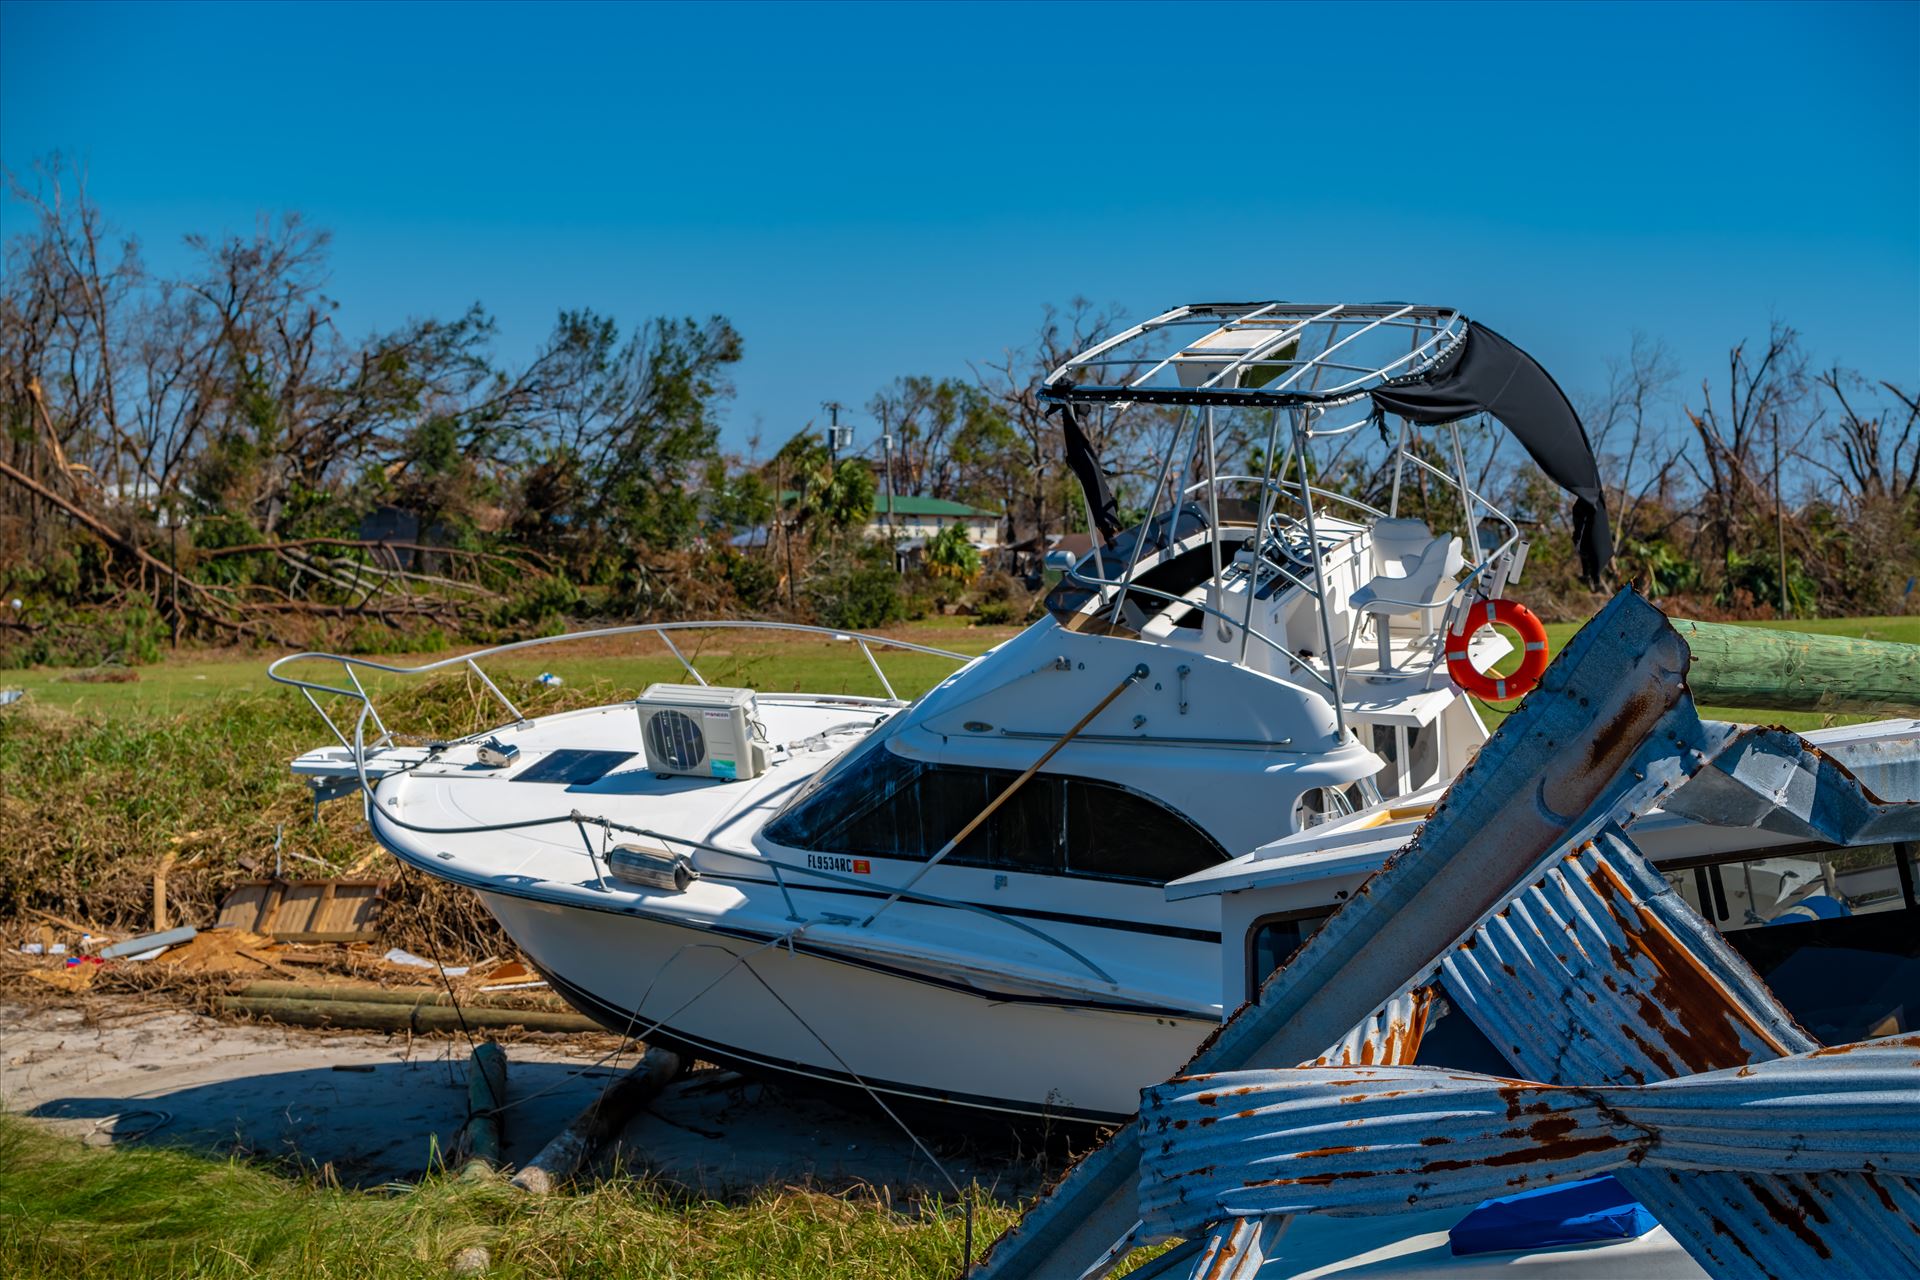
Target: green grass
67, 1211
761, 660
768, 662
97, 782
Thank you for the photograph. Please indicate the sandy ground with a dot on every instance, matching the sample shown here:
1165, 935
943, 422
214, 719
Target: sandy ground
377, 1108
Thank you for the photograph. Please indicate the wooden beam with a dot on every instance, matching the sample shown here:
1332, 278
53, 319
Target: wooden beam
160, 890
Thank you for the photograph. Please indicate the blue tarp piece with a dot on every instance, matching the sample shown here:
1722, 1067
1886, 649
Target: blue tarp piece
1577, 1213
1815, 907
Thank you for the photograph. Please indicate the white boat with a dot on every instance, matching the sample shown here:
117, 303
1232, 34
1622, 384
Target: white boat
1024, 891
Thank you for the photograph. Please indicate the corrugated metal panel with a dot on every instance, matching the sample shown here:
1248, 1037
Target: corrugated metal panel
1376, 1140
1599, 973
1562, 944
1390, 1034
1619, 691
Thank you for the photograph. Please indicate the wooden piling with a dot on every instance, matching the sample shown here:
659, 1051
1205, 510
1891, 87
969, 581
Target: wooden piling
367, 993
576, 1144
486, 1098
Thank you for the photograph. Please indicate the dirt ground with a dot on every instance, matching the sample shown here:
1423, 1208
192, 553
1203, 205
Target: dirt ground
368, 1108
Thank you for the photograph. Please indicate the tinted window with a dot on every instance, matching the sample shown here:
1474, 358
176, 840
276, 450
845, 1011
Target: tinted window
858, 795
1835, 932
949, 800
1271, 943
888, 806
1027, 833
1112, 832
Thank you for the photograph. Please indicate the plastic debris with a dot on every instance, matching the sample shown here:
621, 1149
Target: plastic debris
154, 942
397, 956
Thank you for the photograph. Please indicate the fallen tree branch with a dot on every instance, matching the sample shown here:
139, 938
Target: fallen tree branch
114, 538
514, 560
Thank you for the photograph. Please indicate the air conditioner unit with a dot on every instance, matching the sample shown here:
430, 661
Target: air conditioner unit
701, 731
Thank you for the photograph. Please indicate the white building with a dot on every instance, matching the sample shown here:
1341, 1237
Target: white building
921, 518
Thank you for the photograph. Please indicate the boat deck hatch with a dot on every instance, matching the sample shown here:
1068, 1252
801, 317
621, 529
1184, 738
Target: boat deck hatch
574, 768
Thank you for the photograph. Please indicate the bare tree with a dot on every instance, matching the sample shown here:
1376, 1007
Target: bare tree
1766, 399
1876, 463
1013, 383
1628, 427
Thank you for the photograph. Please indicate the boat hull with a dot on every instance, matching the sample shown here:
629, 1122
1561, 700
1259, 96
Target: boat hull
764, 1008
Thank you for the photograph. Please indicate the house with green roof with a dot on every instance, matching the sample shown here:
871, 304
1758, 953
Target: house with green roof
914, 519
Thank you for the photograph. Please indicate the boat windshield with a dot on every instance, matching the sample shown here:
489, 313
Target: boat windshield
1163, 531
881, 804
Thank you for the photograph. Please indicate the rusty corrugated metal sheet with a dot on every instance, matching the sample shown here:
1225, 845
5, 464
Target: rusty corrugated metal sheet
1390, 1034
1377, 1140
1554, 935
1618, 690
1598, 972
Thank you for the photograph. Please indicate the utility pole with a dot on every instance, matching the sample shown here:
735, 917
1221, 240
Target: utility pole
1779, 518
886, 450
834, 440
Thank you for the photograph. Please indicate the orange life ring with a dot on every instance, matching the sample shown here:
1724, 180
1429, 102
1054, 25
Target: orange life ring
1533, 638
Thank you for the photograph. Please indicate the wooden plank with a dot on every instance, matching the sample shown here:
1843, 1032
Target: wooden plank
100, 935
342, 935
323, 909
270, 905
243, 907
261, 957
1767, 670
160, 891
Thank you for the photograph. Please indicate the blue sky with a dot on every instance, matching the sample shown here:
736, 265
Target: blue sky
875, 190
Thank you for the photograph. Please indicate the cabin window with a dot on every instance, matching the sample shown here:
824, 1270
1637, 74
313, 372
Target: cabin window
888, 806
1122, 834
1423, 756
1835, 932
1272, 941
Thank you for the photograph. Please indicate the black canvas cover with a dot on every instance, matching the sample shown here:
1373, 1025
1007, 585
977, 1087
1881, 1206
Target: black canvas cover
1486, 373
1093, 477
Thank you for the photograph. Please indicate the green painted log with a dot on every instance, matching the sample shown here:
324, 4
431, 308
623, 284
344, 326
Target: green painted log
1761, 669
486, 1097
370, 1016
